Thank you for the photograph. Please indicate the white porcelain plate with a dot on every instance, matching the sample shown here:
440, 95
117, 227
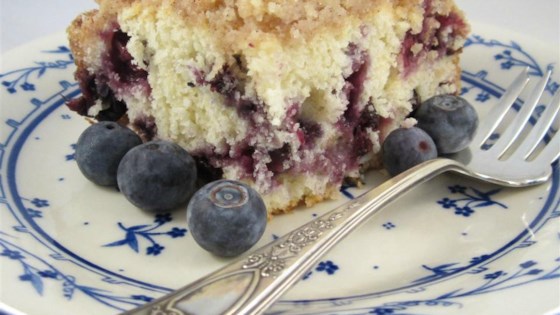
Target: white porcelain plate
451, 246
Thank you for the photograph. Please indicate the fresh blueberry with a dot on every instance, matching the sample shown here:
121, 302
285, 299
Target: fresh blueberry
407, 147
157, 176
100, 149
226, 217
450, 120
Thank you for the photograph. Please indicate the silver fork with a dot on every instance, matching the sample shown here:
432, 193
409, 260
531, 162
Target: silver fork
253, 282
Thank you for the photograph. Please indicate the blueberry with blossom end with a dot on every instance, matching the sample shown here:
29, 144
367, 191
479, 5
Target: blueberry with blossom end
226, 217
157, 176
405, 148
100, 148
450, 120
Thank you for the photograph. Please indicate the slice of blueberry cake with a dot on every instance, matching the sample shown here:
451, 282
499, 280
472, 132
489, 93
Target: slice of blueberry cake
292, 97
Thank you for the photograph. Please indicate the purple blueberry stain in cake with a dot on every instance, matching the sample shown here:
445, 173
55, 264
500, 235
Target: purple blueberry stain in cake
262, 157
291, 114
93, 90
437, 34
358, 120
335, 161
123, 73
280, 159
119, 77
224, 83
114, 110
355, 82
309, 131
86, 81
369, 121
263, 160
239, 155
452, 26
247, 109
146, 127
198, 76
259, 156
244, 158
227, 84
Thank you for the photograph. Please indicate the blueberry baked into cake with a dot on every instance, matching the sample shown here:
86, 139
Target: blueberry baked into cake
291, 97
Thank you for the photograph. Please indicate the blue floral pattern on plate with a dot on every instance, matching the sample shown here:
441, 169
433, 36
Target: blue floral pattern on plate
52, 269
470, 198
148, 232
21, 79
36, 271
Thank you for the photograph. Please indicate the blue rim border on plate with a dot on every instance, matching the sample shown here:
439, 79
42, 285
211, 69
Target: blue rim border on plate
12, 188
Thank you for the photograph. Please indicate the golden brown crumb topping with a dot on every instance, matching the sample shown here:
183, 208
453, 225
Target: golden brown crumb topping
294, 18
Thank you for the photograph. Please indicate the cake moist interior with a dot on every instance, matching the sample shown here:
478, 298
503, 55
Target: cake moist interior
104, 91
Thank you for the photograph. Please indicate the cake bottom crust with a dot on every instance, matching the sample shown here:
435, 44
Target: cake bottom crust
332, 193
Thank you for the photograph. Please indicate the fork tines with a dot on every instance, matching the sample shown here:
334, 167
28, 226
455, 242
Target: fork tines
524, 130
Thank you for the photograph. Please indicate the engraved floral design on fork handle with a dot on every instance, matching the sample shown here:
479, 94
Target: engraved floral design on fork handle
252, 283
262, 267
273, 261
231, 288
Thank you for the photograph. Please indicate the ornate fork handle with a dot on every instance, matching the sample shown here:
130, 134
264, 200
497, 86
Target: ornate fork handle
252, 283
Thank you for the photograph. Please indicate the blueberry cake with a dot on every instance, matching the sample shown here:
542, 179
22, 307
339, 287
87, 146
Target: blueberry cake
291, 97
